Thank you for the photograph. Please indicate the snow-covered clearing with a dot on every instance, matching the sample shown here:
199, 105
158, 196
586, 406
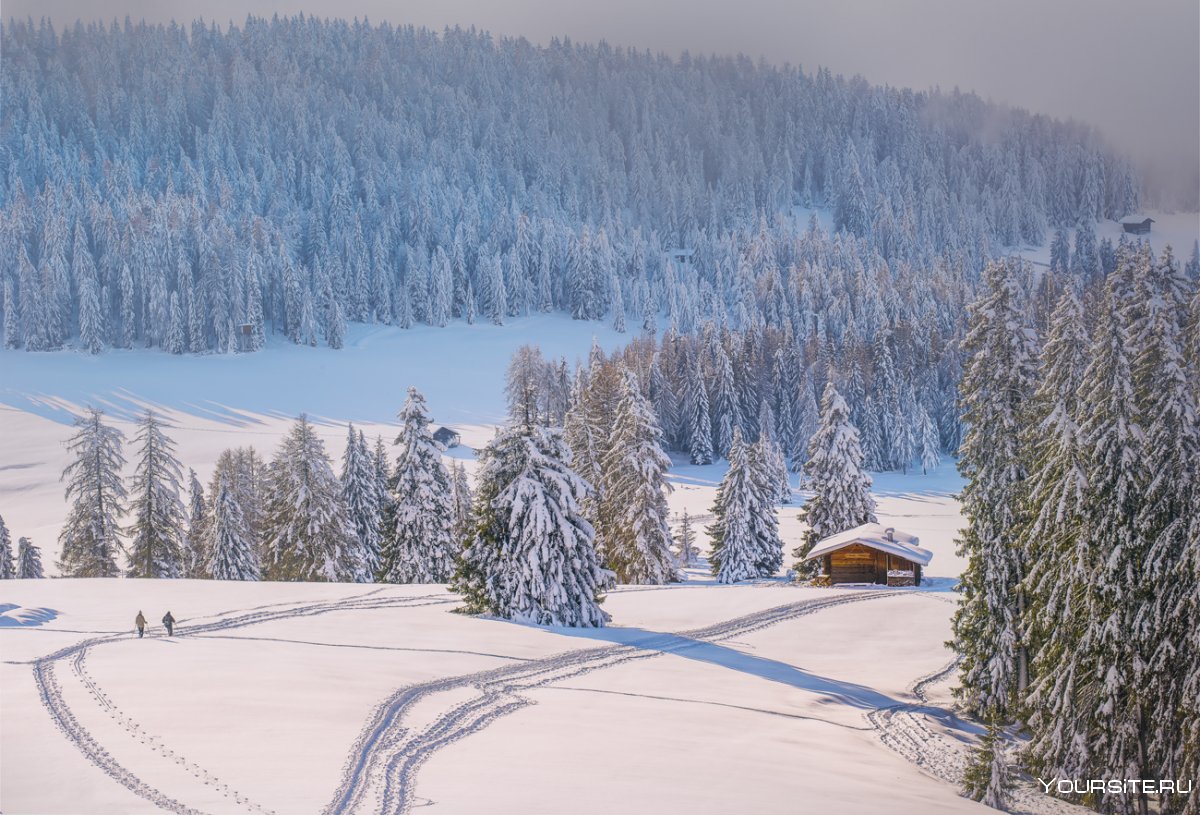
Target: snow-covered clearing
293, 698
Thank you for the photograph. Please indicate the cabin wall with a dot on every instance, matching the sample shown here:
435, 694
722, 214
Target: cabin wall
862, 564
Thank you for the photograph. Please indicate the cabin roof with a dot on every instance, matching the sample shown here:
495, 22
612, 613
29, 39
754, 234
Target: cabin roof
444, 432
1136, 219
874, 536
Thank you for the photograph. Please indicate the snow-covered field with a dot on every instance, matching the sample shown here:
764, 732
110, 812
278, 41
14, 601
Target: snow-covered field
294, 698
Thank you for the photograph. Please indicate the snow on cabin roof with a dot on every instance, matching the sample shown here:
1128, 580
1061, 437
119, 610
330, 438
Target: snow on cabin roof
1136, 219
875, 536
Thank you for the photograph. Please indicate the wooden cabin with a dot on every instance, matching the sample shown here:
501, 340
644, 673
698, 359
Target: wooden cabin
1137, 227
681, 257
446, 437
872, 553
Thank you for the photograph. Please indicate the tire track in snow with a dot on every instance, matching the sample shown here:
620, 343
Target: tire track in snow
380, 773
50, 690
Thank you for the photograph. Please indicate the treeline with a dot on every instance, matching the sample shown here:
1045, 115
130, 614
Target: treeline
1080, 617
27, 564
166, 186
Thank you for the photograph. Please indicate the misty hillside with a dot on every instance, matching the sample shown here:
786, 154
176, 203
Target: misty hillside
165, 186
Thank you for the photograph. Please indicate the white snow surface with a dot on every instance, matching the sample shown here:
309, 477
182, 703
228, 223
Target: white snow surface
334, 698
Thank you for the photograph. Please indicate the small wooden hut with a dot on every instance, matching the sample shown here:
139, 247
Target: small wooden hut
1137, 226
446, 437
872, 553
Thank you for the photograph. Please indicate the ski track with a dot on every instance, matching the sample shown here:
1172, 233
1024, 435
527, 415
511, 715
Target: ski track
906, 730
50, 691
380, 773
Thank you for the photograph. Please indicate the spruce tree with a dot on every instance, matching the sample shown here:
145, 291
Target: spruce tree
995, 389
420, 546
766, 469
307, 531
8, 568
195, 560
156, 548
696, 421
461, 501
90, 539
532, 556
231, 553
988, 776
361, 495
734, 552
687, 541
29, 561
841, 488
634, 469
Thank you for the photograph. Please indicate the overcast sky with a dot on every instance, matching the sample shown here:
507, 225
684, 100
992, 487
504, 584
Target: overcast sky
1132, 67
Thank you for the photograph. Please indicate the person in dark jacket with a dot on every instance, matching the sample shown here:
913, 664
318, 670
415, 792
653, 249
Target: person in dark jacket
169, 622
140, 622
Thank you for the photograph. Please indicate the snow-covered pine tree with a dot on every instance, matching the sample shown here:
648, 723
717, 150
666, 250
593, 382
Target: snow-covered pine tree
29, 561
307, 532
420, 547
231, 553
90, 539
687, 541
1111, 650
995, 390
8, 568
461, 501
532, 557
1165, 585
195, 558
841, 488
930, 444
988, 776
766, 469
361, 495
734, 553
633, 470
156, 546
697, 426
1058, 566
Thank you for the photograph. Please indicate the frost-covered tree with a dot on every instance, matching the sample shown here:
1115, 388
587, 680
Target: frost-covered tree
734, 551
8, 568
930, 442
988, 775
996, 387
697, 424
461, 501
231, 552
90, 538
307, 532
532, 557
361, 494
633, 470
687, 541
195, 556
841, 488
420, 545
156, 534
29, 560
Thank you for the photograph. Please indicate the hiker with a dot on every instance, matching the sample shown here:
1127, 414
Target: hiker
140, 622
169, 622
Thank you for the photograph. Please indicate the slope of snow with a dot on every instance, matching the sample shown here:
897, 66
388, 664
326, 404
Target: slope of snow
1179, 230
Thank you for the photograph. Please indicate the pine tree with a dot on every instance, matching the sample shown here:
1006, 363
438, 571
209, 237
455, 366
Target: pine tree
156, 548
90, 539
687, 541
307, 532
996, 387
930, 442
734, 553
231, 553
361, 495
696, 422
8, 568
633, 471
841, 489
532, 556
988, 777
29, 561
766, 469
420, 546
195, 560
461, 501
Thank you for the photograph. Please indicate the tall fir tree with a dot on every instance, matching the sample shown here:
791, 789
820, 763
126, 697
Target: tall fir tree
420, 546
156, 545
634, 469
195, 556
995, 389
307, 531
90, 539
841, 488
231, 553
361, 495
734, 552
532, 557
8, 567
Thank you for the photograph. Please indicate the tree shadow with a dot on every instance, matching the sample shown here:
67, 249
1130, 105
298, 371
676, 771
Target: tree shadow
847, 693
14, 616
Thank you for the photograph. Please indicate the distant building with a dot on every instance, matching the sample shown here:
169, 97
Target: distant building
1137, 226
872, 553
446, 437
683, 257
